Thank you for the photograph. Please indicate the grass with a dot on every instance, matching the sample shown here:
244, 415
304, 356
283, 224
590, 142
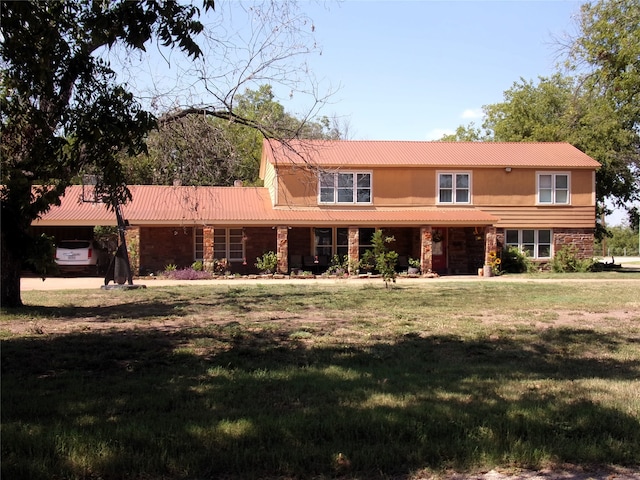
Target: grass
306, 381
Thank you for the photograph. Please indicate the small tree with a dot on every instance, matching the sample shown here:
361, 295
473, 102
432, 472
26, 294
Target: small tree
386, 259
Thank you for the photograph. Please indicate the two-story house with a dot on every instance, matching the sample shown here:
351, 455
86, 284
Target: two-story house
448, 204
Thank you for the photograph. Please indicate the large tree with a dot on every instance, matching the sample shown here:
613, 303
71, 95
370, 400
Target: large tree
65, 113
596, 108
205, 150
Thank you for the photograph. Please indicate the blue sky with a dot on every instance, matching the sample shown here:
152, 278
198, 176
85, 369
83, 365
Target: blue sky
413, 70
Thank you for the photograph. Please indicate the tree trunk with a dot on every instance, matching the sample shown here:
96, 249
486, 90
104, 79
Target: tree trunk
10, 273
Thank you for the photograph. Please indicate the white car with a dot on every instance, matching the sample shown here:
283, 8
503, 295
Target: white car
81, 255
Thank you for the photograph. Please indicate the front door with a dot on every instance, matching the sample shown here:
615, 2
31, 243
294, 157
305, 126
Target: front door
439, 250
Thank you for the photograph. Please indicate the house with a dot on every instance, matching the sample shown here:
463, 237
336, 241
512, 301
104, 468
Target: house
450, 205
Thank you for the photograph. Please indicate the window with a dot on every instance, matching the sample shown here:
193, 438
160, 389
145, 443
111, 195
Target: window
345, 187
553, 188
454, 188
198, 247
536, 243
364, 239
228, 243
330, 241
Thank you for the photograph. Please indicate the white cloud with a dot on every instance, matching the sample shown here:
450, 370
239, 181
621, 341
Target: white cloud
471, 113
438, 133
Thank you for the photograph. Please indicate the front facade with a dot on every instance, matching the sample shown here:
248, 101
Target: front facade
449, 205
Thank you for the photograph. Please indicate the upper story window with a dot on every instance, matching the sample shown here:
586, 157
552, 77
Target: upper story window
553, 188
454, 188
345, 187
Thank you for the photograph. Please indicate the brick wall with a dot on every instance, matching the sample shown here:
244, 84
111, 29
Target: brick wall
582, 239
161, 246
258, 241
466, 251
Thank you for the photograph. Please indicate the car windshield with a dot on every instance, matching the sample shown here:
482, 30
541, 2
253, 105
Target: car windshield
74, 244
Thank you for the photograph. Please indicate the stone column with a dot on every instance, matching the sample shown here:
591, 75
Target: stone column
490, 243
354, 250
426, 249
132, 237
207, 248
282, 241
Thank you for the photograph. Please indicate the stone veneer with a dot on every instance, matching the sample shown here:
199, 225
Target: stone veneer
581, 238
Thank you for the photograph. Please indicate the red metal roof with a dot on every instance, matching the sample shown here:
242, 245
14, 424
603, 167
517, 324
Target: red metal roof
170, 205
361, 153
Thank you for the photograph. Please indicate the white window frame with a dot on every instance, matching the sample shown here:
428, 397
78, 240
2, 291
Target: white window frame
553, 188
454, 189
233, 255
198, 244
336, 188
522, 243
335, 247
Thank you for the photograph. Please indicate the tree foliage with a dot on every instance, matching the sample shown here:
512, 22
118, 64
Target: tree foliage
596, 109
200, 149
64, 113
608, 50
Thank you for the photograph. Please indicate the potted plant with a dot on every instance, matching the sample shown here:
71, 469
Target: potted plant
414, 266
268, 263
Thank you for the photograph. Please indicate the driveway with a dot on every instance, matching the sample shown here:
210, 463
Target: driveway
75, 283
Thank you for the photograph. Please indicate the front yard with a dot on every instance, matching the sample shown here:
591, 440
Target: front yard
312, 381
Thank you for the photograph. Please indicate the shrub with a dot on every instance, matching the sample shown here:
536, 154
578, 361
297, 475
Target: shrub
566, 260
221, 267
197, 266
368, 261
414, 262
516, 261
267, 263
172, 267
187, 274
339, 264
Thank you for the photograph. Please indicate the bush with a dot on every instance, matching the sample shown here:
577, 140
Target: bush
339, 265
187, 274
567, 260
197, 266
267, 263
221, 267
515, 261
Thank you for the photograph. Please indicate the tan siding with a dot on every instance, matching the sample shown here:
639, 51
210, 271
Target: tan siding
537, 217
297, 187
270, 181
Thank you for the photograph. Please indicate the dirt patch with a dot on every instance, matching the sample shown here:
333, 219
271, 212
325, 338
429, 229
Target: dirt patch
567, 472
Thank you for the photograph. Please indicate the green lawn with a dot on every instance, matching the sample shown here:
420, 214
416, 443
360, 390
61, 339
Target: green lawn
306, 381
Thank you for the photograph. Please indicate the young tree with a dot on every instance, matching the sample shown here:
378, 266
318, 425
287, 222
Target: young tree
64, 113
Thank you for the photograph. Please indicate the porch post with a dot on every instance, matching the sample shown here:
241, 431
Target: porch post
490, 243
282, 240
426, 249
353, 252
207, 248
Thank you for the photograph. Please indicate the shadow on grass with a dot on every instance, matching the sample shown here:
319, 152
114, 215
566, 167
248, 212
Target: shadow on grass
225, 401
170, 302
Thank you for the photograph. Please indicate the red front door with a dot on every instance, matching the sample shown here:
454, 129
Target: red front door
439, 250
